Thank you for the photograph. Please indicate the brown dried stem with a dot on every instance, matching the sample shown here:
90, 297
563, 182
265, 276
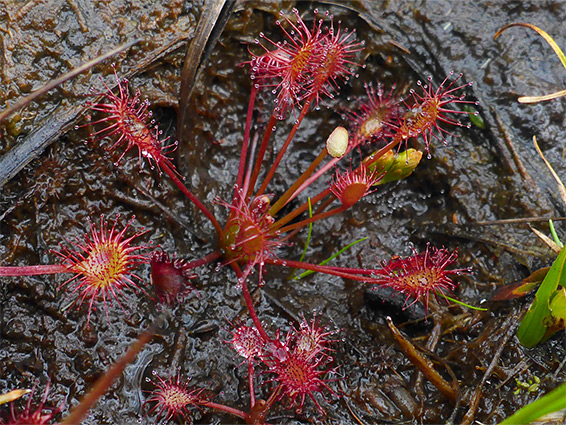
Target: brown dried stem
423, 364
509, 328
105, 381
57, 81
212, 17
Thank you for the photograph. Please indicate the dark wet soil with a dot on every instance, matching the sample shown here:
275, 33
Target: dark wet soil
474, 178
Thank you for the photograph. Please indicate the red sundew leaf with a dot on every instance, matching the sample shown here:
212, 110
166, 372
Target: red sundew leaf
173, 397
170, 278
427, 109
127, 119
351, 186
421, 274
103, 263
308, 64
373, 118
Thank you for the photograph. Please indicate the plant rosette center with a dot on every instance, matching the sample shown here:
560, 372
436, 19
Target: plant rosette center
106, 265
243, 240
422, 280
418, 118
248, 235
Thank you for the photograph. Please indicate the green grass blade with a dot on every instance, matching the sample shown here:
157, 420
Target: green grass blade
463, 304
304, 274
532, 328
554, 235
551, 402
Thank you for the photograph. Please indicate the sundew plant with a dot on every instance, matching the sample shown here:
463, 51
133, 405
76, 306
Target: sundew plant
259, 229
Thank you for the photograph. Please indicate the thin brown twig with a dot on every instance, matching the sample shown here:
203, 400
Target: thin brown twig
79, 15
528, 180
430, 346
57, 81
561, 188
537, 99
519, 368
356, 418
509, 325
548, 241
105, 381
61, 120
153, 205
518, 220
423, 364
210, 17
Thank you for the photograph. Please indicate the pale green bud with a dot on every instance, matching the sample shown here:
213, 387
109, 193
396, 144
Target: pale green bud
337, 142
396, 166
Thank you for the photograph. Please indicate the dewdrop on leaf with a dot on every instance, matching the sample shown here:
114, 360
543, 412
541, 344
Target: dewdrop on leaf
337, 142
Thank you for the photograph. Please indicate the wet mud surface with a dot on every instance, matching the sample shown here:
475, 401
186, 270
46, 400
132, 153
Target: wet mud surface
474, 178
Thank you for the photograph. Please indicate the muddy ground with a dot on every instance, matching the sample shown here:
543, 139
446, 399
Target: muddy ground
481, 175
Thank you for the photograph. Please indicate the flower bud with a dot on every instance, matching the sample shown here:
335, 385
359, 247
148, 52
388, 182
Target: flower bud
337, 142
170, 278
396, 166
